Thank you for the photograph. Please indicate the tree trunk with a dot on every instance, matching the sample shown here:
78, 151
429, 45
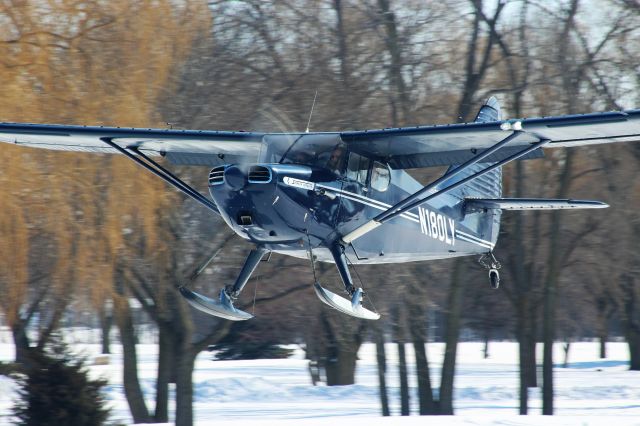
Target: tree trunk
341, 366
451, 339
566, 347
524, 389
399, 338
631, 320
311, 352
21, 342
478, 57
550, 289
396, 77
425, 392
603, 345
382, 369
633, 340
166, 357
531, 368
527, 359
601, 305
132, 389
184, 388
418, 330
485, 350
106, 321
341, 352
548, 338
525, 313
404, 380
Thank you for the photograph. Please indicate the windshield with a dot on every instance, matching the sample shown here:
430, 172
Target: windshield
326, 151
275, 146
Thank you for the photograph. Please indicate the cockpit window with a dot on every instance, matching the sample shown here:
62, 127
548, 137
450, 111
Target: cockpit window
380, 177
326, 151
275, 146
358, 168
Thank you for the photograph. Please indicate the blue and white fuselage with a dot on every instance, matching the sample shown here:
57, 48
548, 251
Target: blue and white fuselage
289, 208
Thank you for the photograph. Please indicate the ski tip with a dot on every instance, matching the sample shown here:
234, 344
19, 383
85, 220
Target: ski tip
344, 305
214, 307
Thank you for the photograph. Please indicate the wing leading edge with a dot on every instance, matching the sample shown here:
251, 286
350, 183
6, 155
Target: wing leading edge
198, 147
402, 148
425, 146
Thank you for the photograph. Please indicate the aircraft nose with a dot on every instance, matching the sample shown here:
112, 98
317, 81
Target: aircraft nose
235, 178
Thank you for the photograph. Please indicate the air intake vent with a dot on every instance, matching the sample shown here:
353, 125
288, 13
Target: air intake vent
216, 176
259, 174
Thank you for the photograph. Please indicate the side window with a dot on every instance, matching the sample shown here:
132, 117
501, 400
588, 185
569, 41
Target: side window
358, 168
380, 177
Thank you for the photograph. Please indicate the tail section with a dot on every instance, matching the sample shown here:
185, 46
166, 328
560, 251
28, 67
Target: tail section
489, 112
489, 185
486, 223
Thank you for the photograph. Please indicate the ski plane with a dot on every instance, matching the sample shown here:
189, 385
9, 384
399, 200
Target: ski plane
345, 197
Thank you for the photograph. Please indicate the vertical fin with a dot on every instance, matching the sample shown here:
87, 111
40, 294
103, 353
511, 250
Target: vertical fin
489, 112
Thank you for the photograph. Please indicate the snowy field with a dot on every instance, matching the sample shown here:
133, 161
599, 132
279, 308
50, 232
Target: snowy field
279, 392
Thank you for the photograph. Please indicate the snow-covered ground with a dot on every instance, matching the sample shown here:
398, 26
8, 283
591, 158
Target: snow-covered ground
279, 392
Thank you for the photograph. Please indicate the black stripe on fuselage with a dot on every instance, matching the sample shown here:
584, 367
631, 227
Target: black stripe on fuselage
409, 216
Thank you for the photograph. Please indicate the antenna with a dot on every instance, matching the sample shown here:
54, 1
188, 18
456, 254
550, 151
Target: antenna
311, 113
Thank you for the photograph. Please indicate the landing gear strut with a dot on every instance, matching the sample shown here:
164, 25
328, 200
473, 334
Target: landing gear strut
223, 306
353, 305
489, 262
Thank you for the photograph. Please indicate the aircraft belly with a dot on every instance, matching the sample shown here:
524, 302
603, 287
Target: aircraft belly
324, 255
395, 243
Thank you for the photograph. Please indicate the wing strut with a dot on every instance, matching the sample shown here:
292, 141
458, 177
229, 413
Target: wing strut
162, 173
414, 200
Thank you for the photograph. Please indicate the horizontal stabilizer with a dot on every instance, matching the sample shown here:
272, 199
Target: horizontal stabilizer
475, 204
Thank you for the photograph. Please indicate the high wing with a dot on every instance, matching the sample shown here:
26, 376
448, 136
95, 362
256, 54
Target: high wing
426, 146
401, 148
192, 147
496, 142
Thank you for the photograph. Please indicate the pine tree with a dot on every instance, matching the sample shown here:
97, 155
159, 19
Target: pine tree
55, 389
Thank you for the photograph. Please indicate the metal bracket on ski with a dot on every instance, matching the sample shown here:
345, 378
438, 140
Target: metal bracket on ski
222, 307
351, 307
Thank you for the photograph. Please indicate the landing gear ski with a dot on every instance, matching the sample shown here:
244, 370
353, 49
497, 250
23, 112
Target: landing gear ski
352, 306
223, 306
489, 262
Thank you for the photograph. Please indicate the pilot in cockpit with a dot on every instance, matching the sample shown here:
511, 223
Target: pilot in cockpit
336, 160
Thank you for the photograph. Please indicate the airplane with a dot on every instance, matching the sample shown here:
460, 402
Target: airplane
345, 197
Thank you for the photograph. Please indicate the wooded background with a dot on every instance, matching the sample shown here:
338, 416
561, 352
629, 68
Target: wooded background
84, 236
